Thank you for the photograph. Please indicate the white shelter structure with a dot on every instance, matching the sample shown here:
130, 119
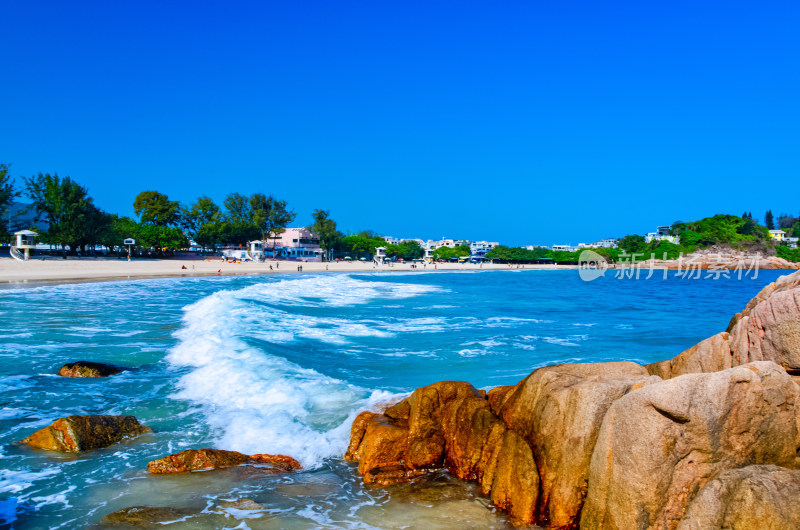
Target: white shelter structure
380, 255
24, 239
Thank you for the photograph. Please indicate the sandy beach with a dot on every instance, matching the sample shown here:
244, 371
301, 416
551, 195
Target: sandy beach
15, 273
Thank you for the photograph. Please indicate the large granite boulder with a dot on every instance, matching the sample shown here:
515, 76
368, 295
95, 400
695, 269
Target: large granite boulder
82, 433
206, 459
749, 498
659, 445
88, 369
558, 410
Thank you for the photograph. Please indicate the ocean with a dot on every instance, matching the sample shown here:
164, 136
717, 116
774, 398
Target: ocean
283, 363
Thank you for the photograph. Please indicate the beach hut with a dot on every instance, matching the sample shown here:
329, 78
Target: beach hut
24, 240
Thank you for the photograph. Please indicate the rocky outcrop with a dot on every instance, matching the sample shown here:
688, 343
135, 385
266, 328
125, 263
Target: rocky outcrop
206, 459
558, 410
722, 257
702, 440
767, 329
88, 369
756, 497
660, 444
82, 433
447, 425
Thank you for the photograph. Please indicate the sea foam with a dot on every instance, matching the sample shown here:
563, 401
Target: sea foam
256, 401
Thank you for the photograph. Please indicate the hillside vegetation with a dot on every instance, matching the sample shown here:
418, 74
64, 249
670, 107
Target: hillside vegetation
737, 233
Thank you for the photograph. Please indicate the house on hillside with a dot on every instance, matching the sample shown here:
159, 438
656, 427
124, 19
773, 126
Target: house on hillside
661, 234
777, 235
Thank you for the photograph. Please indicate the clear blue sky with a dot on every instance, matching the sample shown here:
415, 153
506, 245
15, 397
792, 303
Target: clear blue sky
524, 122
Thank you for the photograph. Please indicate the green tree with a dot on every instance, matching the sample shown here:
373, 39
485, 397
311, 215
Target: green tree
160, 238
237, 209
769, 220
7, 195
406, 250
237, 233
632, 244
325, 228
364, 243
64, 205
446, 253
156, 209
203, 221
270, 216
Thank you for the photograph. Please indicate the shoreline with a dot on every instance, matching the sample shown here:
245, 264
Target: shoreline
33, 273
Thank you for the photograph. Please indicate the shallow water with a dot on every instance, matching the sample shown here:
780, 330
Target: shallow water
281, 364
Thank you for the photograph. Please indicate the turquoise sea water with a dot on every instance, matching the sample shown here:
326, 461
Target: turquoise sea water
281, 364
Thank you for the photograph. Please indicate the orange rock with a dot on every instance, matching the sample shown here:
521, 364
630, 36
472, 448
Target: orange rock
206, 459
357, 434
283, 462
88, 369
498, 395
81, 433
447, 424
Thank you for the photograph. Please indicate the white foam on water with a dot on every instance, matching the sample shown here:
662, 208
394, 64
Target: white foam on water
257, 402
14, 481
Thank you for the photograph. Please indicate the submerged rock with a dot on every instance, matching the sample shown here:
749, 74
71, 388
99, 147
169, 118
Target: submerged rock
88, 369
145, 516
81, 433
242, 504
207, 459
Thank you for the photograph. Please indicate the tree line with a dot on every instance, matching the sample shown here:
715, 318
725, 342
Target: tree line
73, 220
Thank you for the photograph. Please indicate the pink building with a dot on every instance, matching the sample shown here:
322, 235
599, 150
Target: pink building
296, 243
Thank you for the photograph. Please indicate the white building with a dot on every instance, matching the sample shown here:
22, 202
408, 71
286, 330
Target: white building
479, 249
661, 234
563, 248
777, 235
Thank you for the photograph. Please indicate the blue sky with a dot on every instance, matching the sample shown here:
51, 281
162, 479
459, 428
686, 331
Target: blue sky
524, 122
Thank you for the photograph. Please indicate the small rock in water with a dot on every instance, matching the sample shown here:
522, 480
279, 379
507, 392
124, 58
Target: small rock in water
82, 433
145, 516
206, 459
88, 369
242, 504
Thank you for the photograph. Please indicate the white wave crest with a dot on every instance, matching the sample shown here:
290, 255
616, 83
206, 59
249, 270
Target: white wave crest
257, 402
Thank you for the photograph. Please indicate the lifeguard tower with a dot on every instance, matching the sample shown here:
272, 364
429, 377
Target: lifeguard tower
256, 251
24, 240
380, 255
